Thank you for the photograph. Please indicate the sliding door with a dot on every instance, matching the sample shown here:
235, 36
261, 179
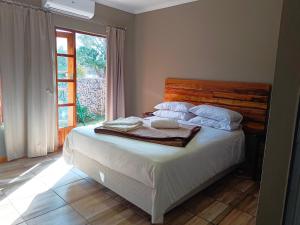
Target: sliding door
66, 82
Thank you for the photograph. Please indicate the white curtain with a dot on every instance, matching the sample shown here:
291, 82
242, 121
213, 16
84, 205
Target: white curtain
115, 98
28, 81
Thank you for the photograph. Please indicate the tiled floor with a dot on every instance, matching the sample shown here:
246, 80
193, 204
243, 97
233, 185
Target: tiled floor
46, 191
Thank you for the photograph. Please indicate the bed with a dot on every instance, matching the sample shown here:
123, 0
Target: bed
155, 177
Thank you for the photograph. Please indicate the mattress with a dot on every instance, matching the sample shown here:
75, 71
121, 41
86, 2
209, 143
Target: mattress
208, 153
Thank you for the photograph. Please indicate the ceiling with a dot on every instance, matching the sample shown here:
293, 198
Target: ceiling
140, 6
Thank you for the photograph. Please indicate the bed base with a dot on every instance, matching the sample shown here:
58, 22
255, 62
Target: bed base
132, 190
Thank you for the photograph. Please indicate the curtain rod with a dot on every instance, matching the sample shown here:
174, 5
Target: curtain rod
25, 5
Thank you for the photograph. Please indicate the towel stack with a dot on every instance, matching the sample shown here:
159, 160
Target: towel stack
124, 124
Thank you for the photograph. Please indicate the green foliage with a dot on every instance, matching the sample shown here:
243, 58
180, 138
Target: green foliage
61, 61
62, 92
83, 114
81, 71
91, 54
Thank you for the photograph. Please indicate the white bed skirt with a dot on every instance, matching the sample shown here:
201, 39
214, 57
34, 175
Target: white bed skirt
132, 190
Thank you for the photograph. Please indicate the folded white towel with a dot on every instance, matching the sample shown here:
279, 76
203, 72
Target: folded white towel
164, 124
124, 121
124, 124
123, 128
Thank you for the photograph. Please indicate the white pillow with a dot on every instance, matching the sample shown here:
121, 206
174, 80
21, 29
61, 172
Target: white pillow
164, 124
175, 106
225, 125
216, 113
174, 115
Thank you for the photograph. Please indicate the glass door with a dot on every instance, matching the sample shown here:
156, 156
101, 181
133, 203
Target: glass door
65, 82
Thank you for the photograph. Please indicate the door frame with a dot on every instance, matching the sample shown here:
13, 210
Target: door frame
71, 47
63, 132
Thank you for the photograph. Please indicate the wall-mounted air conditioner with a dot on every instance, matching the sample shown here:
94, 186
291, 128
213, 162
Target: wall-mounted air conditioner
79, 8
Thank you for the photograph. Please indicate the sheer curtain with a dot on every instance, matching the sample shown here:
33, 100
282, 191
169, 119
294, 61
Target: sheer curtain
115, 98
27, 75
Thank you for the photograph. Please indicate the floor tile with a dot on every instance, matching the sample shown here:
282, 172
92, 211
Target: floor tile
230, 197
42, 166
56, 179
31, 162
198, 203
222, 215
254, 190
242, 185
197, 221
9, 215
57, 174
177, 216
61, 216
14, 176
109, 216
25, 189
252, 221
249, 205
77, 190
213, 211
118, 214
34, 206
110, 192
139, 211
7, 166
236, 217
3, 199
226, 194
132, 218
94, 204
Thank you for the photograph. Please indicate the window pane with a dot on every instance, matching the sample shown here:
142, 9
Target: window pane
65, 92
62, 45
64, 42
65, 67
65, 116
90, 56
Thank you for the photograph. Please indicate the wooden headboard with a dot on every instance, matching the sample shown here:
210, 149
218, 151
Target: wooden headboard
250, 99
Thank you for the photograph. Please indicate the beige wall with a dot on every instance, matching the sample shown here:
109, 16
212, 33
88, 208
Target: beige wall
281, 128
216, 40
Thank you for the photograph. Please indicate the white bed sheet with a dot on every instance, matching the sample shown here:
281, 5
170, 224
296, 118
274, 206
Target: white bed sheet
172, 172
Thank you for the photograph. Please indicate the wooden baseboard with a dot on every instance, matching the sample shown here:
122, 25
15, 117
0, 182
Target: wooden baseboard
3, 159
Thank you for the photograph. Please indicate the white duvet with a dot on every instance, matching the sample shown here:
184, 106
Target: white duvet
172, 171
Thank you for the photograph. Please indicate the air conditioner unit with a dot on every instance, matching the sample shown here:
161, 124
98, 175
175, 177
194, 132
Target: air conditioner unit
79, 8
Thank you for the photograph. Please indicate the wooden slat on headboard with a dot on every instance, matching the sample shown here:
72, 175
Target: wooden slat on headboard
250, 99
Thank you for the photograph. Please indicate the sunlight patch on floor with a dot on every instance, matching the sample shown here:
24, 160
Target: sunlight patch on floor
33, 187
52, 174
19, 178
